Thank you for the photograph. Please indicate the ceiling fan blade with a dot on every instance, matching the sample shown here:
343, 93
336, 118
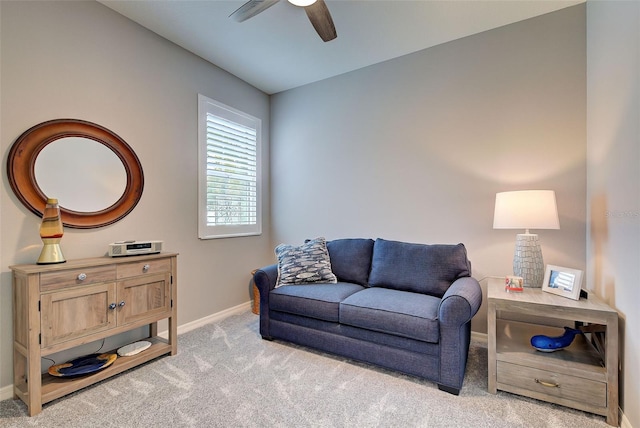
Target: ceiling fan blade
251, 9
320, 18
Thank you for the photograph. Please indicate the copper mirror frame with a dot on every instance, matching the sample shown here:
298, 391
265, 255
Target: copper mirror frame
21, 170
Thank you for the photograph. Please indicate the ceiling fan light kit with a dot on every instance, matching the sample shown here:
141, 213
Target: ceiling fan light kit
316, 10
302, 3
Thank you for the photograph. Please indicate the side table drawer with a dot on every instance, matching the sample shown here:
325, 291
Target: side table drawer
553, 384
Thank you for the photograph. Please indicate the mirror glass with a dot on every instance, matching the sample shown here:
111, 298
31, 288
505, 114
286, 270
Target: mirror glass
81, 173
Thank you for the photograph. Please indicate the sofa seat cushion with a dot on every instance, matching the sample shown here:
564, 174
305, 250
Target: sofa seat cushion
319, 301
400, 313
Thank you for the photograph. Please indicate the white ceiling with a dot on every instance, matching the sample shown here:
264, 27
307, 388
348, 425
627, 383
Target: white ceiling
279, 49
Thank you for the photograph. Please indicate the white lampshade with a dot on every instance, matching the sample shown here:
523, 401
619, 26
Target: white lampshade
526, 209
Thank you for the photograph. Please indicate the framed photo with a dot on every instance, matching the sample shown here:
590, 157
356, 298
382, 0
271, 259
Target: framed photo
562, 281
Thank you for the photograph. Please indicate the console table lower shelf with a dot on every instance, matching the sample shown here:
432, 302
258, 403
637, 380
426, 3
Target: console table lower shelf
53, 387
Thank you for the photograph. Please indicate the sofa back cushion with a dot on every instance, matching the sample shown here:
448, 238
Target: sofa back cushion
420, 268
351, 259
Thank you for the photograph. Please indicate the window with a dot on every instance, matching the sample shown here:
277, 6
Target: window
229, 188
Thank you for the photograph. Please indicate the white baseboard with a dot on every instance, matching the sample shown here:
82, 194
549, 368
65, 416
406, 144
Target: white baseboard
479, 337
624, 422
209, 319
6, 392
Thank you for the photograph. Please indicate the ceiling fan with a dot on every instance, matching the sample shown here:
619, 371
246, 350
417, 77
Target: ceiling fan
317, 11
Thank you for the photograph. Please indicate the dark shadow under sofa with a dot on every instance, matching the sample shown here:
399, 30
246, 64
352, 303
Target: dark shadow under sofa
398, 305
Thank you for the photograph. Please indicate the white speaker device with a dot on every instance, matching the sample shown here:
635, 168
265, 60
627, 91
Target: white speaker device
134, 248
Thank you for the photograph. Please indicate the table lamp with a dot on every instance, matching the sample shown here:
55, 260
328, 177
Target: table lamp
527, 209
51, 231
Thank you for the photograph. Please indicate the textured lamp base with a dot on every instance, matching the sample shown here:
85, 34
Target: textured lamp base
527, 260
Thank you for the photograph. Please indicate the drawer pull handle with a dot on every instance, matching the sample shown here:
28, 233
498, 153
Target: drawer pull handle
548, 384
121, 304
112, 306
145, 268
82, 277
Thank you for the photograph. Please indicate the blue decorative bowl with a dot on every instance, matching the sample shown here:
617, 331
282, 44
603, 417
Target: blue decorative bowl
551, 344
83, 365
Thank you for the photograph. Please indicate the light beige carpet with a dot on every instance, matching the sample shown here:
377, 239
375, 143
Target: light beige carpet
225, 375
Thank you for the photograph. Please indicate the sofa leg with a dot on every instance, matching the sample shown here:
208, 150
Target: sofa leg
269, 338
450, 390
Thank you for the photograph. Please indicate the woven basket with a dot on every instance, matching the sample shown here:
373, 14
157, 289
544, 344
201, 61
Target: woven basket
255, 307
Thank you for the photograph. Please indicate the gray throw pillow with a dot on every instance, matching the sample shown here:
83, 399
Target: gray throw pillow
308, 263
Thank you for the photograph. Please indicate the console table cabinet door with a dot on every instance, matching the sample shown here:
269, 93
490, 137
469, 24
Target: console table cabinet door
144, 297
77, 312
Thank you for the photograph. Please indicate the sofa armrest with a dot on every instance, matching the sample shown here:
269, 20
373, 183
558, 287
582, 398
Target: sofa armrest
458, 305
265, 279
460, 302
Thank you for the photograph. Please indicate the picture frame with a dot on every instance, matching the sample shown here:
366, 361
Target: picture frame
563, 281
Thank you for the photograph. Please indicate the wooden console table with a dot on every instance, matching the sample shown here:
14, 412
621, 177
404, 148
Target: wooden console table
583, 376
61, 306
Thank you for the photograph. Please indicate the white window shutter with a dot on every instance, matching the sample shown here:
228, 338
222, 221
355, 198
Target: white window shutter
229, 172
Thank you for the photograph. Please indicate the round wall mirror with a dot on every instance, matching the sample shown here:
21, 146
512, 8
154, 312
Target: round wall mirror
94, 174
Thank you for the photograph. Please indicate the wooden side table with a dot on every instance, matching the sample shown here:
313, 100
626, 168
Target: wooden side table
583, 376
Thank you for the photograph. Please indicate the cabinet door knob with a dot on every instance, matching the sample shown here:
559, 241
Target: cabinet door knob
145, 268
121, 304
112, 306
82, 277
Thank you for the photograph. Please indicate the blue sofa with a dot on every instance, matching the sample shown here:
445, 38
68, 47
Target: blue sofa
398, 305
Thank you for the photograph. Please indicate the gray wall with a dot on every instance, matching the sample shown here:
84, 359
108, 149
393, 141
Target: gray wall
83, 60
613, 147
415, 148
